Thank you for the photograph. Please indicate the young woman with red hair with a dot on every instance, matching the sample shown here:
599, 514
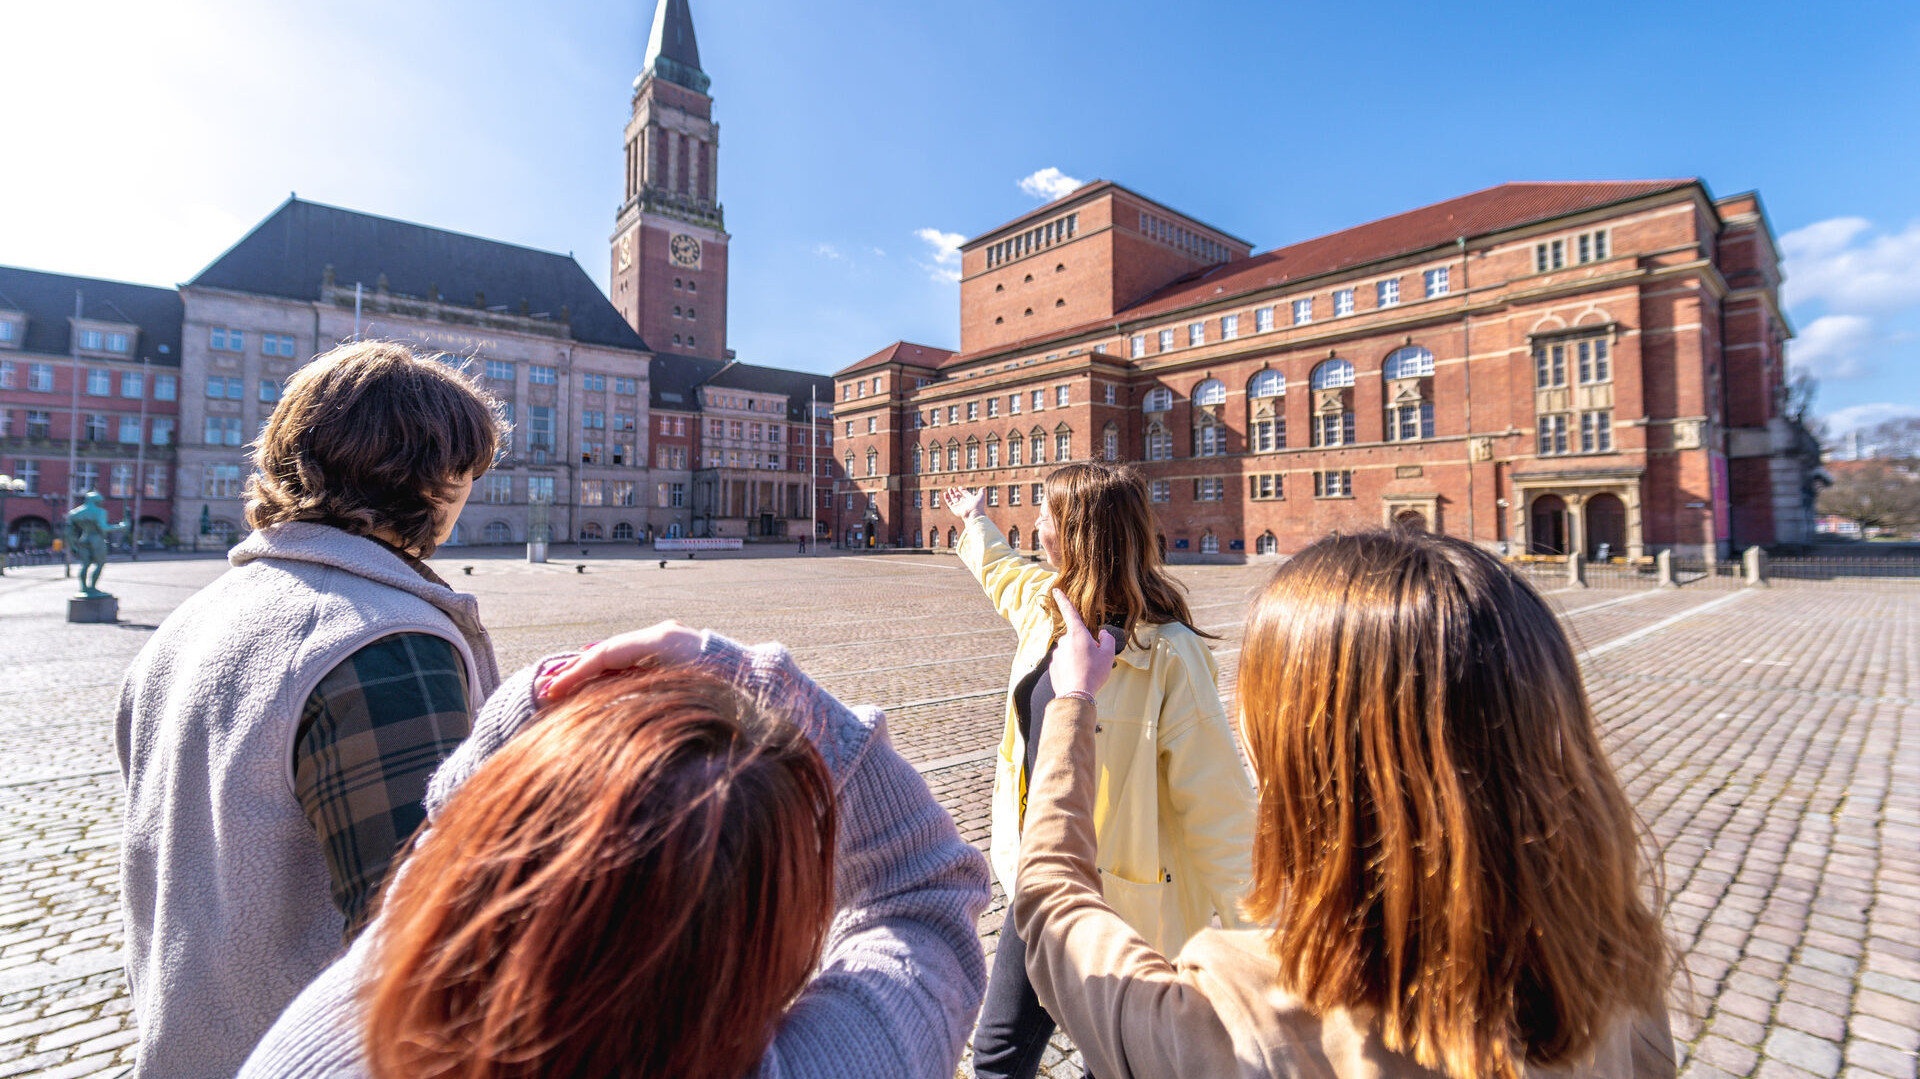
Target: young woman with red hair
669, 856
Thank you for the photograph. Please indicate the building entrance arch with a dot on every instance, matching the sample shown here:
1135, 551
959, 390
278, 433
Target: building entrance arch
1547, 531
1411, 520
1606, 526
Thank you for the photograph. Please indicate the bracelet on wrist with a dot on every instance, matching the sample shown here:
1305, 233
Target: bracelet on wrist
1075, 694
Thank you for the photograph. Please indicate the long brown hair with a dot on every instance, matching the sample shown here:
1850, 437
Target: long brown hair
1441, 842
371, 437
639, 886
1110, 566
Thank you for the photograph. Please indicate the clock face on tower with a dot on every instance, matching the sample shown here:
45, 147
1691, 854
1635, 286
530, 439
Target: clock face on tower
684, 250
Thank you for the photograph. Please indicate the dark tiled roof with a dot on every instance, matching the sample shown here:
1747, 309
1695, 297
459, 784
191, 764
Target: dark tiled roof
47, 300
906, 352
288, 253
795, 384
1495, 209
672, 380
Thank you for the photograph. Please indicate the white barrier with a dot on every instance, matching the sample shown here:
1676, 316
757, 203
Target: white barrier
716, 543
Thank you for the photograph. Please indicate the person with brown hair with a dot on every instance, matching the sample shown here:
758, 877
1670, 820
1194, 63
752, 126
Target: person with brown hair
1447, 876
1176, 806
669, 857
277, 732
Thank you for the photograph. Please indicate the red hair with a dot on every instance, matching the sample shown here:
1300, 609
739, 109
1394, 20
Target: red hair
638, 885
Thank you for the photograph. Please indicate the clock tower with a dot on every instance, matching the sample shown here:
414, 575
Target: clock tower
669, 237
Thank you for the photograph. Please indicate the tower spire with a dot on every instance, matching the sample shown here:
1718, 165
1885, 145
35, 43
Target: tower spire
673, 53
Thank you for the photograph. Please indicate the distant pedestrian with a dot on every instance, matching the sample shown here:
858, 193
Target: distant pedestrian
278, 731
1177, 807
705, 867
1447, 877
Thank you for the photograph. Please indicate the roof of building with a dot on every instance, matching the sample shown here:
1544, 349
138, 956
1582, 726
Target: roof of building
672, 51
1495, 209
47, 301
906, 352
672, 379
794, 384
1086, 191
288, 255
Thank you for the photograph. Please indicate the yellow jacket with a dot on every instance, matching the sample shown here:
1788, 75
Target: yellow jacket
1173, 815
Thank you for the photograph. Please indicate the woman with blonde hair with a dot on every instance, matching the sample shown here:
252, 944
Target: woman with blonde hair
1446, 874
1175, 815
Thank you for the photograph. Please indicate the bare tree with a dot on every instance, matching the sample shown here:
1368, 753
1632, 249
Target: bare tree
1897, 439
1875, 493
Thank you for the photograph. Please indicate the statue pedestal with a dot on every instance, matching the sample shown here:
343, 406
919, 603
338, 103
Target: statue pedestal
93, 609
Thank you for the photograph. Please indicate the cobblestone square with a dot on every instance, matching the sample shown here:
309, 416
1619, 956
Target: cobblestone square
1770, 739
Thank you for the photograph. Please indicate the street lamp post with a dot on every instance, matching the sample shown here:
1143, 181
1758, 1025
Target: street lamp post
9, 485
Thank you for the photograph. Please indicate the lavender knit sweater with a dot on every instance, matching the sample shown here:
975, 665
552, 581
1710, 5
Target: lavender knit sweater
902, 975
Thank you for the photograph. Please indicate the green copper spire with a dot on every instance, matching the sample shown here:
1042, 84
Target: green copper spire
672, 52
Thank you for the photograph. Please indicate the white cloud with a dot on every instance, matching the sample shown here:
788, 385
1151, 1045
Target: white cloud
828, 251
946, 253
1855, 417
1842, 263
1834, 346
1048, 184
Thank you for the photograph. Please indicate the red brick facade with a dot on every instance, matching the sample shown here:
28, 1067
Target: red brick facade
1548, 367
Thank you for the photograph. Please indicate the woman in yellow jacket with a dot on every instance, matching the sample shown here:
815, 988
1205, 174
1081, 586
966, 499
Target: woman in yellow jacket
1174, 817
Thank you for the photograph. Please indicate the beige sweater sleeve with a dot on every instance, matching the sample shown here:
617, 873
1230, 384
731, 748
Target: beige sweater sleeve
1131, 1012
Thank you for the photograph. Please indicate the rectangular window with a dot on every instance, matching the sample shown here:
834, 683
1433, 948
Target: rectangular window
1209, 440
1596, 431
1408, 422
220, 481
993, 496
1229, 327
540, 489
593, 492
1333, 429
993, 407
1110, 393
1549, 366
1160, 491
39, 424
99, 382
116, 342
6, 329
953, 416
1303, 311
500, 370
1209, 489
40, 377
6, 369
593, 383
1262, 319
223, 431
540, 427
1591, 361
269, 391
1039, 400
166, 387
92, 340
1436, 281
1063, 447
1333, 484
162, 428
1013, 494
1196, 334
1137, 345
1386, 293
97, 427
1265, 487
156, 485
541, 375
1166, 340
1060, 397
496, 490
1013, 404
973, 413
1552, 435
130, 430
1590, 246
627, 386
872, 425
1343, 301
917, 497
1039, 491
132, 385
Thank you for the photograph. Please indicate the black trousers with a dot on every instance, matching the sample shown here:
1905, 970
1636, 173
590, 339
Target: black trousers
1014, 1028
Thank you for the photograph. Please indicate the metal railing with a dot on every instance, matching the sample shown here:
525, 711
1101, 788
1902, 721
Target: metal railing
1753, 567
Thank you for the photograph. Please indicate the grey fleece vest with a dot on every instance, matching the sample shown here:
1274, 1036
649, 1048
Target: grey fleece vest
225, 890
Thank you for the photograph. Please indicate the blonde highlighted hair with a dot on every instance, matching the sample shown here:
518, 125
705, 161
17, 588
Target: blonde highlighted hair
1441, 842
1110, 565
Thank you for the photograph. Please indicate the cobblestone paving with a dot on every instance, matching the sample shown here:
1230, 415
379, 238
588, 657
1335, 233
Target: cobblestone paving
1770, 739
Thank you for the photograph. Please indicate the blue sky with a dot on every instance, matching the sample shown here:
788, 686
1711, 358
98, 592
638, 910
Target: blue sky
145, 137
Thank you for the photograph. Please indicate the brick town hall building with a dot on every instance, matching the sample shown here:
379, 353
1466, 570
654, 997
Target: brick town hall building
1541, 367
631, 416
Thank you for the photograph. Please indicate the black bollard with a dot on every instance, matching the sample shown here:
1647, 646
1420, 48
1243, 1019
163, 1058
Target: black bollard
579, 569
468, 570
663, 563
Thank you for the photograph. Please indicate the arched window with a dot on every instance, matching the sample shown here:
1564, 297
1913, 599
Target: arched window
1266, 544
993, 451
873, 462
1159, 442
1410, 362
1110, 442
1062, 443
952, 538
1209, 436
1267, 383
1266, 412
933, 538
1034, 543
1211, 392
1209, 543
1037, 445
592, 531
1013, 537
1332, 375
1015, 444
498, 532
623, 530
1158, 399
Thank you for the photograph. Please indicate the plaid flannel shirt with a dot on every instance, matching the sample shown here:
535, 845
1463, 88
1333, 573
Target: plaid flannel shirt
371, 734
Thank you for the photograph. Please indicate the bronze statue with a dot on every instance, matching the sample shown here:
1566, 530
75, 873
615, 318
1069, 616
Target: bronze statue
88, 533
